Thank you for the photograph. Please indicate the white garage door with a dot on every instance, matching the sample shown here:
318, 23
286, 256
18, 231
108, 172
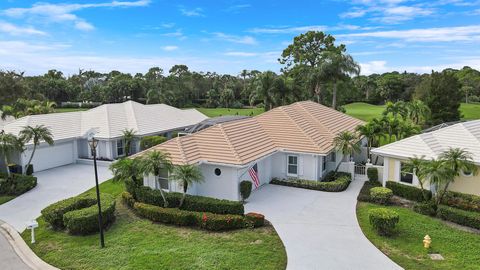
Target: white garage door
52, 156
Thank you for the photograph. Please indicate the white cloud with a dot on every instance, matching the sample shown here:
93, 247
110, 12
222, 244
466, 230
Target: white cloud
170, 48
236, 39
441, 34
287, 29
241, 54
15, 30
196, 12
381, 66
237, 8
60, 13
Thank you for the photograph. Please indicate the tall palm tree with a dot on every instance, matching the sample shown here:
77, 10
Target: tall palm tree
265, 88
398, 108
153, 163
439, 175
391, 124
368, 131
186, 175
347, 143
337, 66
37, 134
417, 111
8, 144
125, 169
418, 165
128, 136
457, 160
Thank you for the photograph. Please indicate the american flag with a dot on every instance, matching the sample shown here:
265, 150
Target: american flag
253, 171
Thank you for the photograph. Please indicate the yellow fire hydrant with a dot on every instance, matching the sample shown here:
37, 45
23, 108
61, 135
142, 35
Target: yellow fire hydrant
427, 241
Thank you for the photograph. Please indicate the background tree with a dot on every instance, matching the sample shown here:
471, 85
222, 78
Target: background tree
186, 175
36, 135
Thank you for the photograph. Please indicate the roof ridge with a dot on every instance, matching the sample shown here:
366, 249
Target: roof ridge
180, 147
282, 109
107, 115
227, 139
432, 142
134, 116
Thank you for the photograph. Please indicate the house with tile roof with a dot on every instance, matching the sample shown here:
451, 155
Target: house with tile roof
70, 131
430, 145
289, 141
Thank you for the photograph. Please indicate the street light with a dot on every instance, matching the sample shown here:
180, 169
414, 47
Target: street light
93, 147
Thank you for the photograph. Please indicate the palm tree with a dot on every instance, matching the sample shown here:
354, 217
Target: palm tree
456, 160
368, 131
418, 165
8, 144
128, 136
417, 111
186, 175
396, 109
391, 124
438, 174
406, 129
153, 163
35, 134
337, 66
347, 143
265, 88
125, 169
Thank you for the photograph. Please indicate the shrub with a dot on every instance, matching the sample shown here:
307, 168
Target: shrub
17, 184
191, 203
30, 169
462, 201
407, 192
364, 195
383, 220
338, 185
53, 214
150, 141
425, 208
245, 189
255, 220
85, 221
236, 105
128, 199
381, 195
372, 174
214, 222
462, 217
332, 176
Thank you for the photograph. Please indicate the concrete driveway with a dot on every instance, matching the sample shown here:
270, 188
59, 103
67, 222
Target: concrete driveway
53, 185
319, 229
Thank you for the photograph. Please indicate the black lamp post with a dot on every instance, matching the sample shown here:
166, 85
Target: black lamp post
93, 146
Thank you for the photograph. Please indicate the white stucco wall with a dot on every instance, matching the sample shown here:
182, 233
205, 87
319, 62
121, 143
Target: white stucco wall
224, 186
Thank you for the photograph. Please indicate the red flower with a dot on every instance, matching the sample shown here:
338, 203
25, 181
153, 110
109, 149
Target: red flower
204, 217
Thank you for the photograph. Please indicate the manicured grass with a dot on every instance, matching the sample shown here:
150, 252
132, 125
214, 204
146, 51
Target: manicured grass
470, 111
459, 248
61, 110
6, 198
214, 112
136, 243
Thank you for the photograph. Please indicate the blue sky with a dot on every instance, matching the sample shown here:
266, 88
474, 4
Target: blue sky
228, 36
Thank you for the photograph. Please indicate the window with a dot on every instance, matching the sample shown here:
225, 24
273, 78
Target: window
467, 173
406, 176
163, 179
292, 165
218, 172
120, 148
324, 163
333, 157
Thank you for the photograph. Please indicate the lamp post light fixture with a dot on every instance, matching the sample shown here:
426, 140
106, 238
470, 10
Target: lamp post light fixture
93, 147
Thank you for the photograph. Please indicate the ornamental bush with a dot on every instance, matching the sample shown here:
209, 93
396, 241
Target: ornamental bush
214, 222
372, 174
255, 220
462, 201
381, 195
16, 184
150, 141
333, 175
340, 184
128, 199
462, 217
364, 195
383, 220
407, 192
425, 208
245, 189
85, 221
53, 214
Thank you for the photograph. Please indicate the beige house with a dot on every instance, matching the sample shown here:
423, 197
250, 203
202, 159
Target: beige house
464, 135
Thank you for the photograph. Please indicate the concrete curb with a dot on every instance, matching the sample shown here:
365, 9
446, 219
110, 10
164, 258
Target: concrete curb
22, 249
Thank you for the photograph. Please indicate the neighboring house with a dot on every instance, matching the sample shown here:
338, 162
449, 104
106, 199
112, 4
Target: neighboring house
288, 141
213, 121
5, 121
430, 145
70, 131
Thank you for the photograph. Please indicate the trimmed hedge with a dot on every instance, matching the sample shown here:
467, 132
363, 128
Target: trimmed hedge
462, 201
53, 214
462, 217
340, 184
85, 221
381, 195
255, 219
175, 216
364, 195
245, 189
333, 175
383, 220
150, 141
425, 208
191, 203
17, 184
372, 174
128, 199
407, 192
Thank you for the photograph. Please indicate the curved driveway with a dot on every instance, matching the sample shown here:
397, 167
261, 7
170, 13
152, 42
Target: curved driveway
319, 229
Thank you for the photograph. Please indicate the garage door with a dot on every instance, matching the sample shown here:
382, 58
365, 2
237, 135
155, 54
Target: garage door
52, 156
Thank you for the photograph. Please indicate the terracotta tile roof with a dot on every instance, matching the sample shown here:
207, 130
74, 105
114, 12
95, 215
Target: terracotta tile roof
305, 126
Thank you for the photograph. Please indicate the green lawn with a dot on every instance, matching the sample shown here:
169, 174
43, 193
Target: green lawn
214, 112
460, 249
61, 110
6, 198
366, 112
136, 243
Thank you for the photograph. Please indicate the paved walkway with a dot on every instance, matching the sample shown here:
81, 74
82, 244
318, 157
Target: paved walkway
319, 229
9, 259
53, 185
